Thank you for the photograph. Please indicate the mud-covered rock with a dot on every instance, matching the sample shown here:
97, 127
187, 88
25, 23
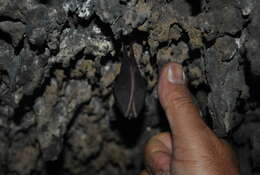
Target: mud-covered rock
60, 114
223, 18
74, 41
15, 30
224, 76
122, 17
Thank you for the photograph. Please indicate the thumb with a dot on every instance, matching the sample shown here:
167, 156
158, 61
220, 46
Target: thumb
195, 148
189, 131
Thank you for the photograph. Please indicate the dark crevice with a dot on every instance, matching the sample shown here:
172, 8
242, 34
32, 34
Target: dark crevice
39, 49
253, 82
153, 60
196, 7
240, 105
235, 35
19, 47
108, 58
105, 28
185, 37
44, 1
195, 53
129, 130
50, 3
72, 20
123, 2
72, 64
26, 104
246, 24
163, 44
6, 37
85, 23
56, 167
184, 34
7, 18
208, 44
135, 36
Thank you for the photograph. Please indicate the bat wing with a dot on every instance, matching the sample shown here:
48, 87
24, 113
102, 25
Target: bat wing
129, 88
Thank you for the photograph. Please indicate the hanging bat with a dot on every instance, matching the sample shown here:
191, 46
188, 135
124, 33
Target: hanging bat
130, 86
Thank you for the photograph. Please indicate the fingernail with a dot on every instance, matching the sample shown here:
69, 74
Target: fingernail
176, 74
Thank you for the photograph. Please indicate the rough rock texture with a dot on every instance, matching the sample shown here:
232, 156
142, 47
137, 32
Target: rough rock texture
59, 59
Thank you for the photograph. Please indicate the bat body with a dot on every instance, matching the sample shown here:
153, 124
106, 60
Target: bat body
130, 86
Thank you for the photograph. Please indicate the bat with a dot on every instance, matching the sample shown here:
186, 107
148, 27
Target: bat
129, 86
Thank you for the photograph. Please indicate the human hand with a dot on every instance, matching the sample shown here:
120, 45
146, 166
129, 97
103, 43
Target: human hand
191, 148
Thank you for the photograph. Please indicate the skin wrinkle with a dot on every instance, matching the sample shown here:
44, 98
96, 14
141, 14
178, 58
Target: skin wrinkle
177, 103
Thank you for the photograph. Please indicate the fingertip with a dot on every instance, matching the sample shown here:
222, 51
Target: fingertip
175, 98
158, 152
171, 84
161, 142
159, 163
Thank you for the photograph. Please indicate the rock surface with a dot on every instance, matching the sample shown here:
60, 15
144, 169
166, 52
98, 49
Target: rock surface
59, 59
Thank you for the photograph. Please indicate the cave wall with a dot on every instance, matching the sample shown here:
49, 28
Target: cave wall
59, 60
